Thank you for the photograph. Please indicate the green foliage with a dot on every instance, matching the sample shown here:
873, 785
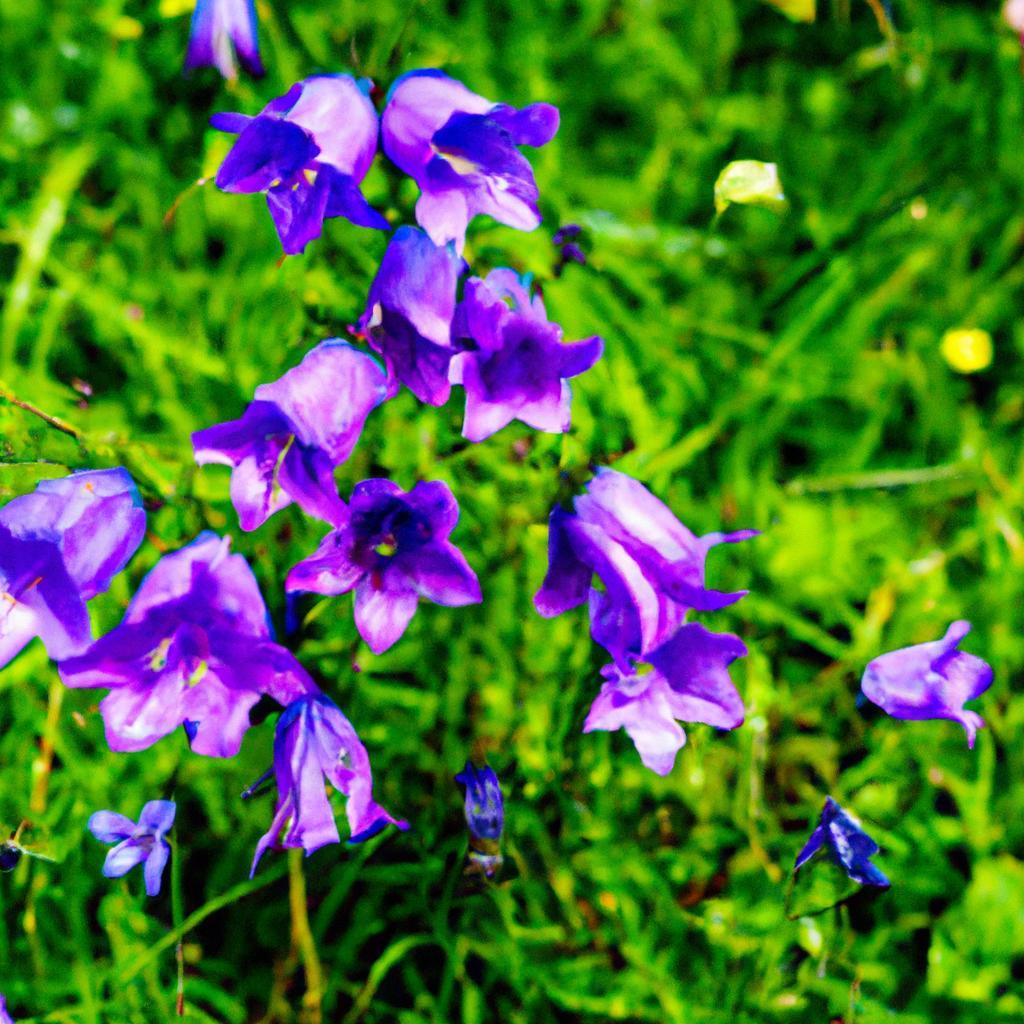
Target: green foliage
782, 373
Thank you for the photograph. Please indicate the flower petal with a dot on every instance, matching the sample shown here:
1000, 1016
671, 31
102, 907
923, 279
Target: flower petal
384, 608
110, 827
122, 858
154, 869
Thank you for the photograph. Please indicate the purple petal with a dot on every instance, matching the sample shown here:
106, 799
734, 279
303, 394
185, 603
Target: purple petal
110, 827
307, 476
567, 582
329, 570
157, 816
434, 500
384, 606
535, 125
220, 28
580, 356
297, 209
122, 858
228, 122
440, 573
811, 847
154, 869
135, 719
345, 200
218, 706
445, 215
267, 151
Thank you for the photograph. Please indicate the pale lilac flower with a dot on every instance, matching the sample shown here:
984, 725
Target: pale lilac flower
651, 565
315, 742
298, 429
519, 366
136, 844
930, 680
461, 149
846, 843
60, 546
223, 34
308, 151
392, 550
194, 650
686, 678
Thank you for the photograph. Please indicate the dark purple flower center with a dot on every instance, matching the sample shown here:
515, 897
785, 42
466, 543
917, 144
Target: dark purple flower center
390, 527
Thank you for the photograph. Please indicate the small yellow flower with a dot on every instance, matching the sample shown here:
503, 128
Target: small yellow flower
967, 350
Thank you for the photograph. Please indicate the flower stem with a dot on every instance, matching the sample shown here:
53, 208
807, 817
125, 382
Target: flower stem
178, 918
302, 937
54, 421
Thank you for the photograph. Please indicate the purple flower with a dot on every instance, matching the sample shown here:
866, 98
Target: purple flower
5, 1017
931, 680
392, 550
60, 546
224, 33
846, 843
686, 678
409, 313
194, 649
308, 150
299, 428
314, 741
652, 566
136, 844
461, 151
519, 368
485, 812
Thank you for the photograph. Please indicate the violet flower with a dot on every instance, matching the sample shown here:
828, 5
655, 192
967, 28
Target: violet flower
409, 313
651, 565
314, 741
194, 649
308, 151
223, 34
519, 367
392, 550
485, 811
136, 844
5, 1017
297, 430
846, 843
60, 546
686, 678
461, 150
930, 680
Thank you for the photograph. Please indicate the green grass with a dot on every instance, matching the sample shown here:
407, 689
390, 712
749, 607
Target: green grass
774, 372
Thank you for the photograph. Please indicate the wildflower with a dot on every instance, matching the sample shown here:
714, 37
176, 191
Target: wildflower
409, 313
651, 565
519, 367
461, 150
308, 151
930, 680
223, 34
392, 550
485, 818
846, 843
136, 844
686, 678
59, 547
194, 649
967, 350
297, 430
5, 1017
314, 741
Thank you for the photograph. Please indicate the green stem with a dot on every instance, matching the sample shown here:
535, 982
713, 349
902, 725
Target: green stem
178, 919
302, 936
54, 421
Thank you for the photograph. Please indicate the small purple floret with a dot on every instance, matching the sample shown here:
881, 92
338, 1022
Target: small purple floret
298, 429
485, 810
519, 366
136, 844
194, 649
846, 843
392, 550
461, 149
60, 546
930, 680
223, 34
314, 741
409, 313
308, 150
651, 565
686, 678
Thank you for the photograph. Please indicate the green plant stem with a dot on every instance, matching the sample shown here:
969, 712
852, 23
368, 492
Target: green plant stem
178, 919
54, 421
302, 937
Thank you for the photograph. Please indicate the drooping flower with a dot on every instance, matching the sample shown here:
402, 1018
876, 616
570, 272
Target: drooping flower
194, 649
308, 151
314, 741
485, 818
59, 547
846, 843
686, 678
930, 680
518, 369
297, 430
461, 150
392, 550
651, 565
223, 34
409, 313
136, 844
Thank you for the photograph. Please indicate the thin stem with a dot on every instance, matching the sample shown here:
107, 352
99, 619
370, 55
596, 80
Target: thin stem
302, 936
44, 762
54, 421
178, 918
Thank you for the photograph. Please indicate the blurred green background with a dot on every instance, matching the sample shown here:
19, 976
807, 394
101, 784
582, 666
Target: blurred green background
774, 371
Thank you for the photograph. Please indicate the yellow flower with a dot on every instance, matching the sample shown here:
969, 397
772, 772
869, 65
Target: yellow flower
967, 350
